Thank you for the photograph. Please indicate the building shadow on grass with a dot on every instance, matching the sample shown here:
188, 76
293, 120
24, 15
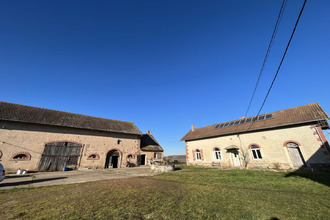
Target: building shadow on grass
320, 177
27, 182
317, 167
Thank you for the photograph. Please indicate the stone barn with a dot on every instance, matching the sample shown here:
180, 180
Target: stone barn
40, 139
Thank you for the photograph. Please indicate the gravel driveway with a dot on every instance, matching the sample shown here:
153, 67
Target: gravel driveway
69, 177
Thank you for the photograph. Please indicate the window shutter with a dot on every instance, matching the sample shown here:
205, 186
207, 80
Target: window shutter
202, 157
194, 156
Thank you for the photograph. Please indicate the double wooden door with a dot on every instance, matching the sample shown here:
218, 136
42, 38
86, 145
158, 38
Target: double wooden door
59, 155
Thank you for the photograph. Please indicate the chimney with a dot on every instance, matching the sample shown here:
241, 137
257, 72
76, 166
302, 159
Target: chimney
148, 132
243, 117
192, 127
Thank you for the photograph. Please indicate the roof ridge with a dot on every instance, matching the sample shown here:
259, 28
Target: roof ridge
65, 112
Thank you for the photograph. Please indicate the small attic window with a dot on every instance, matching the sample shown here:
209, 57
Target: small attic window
118, 141
21, 156
93, 157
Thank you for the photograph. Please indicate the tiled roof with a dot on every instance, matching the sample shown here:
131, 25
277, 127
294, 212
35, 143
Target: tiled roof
28, 114
292, 116
149, 143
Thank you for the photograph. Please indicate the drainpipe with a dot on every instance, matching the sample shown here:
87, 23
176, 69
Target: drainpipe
318, 133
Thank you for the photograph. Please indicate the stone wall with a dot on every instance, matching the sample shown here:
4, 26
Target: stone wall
18, 137
150, 156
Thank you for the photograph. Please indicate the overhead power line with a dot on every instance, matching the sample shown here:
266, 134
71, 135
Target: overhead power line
278, 21
279, 67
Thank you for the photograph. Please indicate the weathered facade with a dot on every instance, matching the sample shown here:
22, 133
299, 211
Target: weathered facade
291, 138
43, 140
151, 151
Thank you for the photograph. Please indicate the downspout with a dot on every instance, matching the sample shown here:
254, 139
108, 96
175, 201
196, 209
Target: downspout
318, 133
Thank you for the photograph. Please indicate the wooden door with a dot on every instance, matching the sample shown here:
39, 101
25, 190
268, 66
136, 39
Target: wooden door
235, 158
295, 155
58, 155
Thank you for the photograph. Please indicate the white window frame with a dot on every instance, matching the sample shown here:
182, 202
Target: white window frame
158, 155
255, 150
198, 155
217, 152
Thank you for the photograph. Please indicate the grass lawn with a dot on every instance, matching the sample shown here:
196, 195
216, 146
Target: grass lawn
192, 193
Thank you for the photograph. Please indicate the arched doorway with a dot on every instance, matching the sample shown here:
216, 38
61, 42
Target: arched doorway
295, 154
113, 159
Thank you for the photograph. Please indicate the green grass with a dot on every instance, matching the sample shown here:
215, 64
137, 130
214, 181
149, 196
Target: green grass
191, 193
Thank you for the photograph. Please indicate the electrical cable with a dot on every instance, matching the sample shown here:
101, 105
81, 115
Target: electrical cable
278, 21
279, 67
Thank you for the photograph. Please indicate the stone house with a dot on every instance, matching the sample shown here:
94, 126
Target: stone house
40, 139
151, 151
290, 138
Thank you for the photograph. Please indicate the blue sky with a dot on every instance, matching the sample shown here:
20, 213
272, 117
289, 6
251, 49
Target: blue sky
162, 64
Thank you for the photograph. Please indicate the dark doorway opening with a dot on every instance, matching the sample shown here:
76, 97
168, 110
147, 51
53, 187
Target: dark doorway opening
143, 159
112, 160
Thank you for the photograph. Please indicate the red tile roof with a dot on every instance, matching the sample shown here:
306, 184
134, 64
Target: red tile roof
310, 113
29, 114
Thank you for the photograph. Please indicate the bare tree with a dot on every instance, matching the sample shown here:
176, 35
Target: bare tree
244, 153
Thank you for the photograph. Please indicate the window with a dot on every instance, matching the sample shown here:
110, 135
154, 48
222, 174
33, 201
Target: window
94, 156
256, 152
217, 154
158, 155
198, 155
21, 156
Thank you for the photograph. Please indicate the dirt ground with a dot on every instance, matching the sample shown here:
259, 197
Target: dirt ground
70, 177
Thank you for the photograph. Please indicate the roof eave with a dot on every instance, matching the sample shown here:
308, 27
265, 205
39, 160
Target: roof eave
245, 131
120, 132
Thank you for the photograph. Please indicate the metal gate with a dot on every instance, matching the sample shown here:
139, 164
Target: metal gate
295, 155
58, 155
